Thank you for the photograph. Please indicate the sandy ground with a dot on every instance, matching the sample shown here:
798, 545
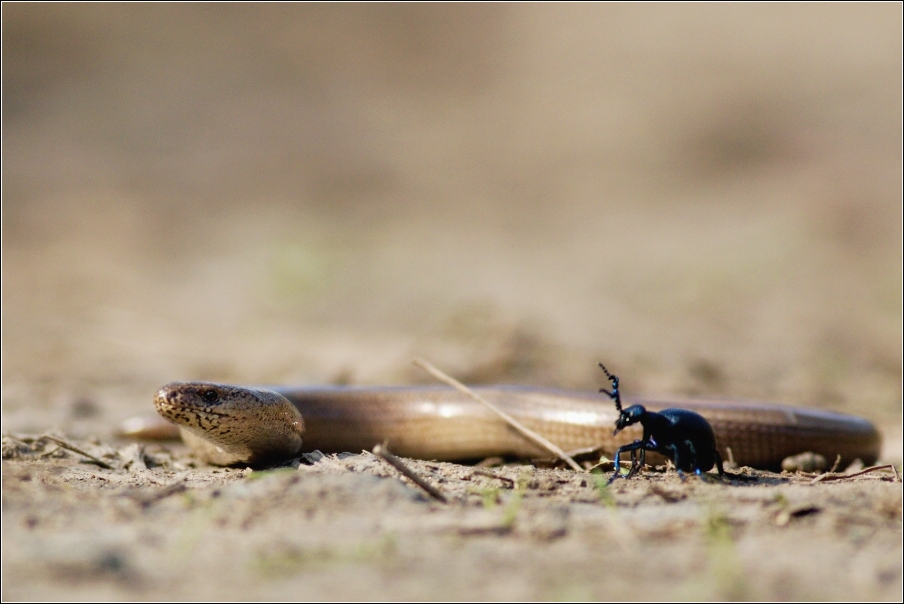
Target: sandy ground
347, 527
707, 199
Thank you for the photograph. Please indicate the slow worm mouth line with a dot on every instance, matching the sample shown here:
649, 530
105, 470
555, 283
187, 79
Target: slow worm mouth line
187, 408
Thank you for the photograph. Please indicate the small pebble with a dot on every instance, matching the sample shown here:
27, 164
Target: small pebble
805, 462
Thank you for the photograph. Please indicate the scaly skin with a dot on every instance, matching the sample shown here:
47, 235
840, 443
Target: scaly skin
256, 426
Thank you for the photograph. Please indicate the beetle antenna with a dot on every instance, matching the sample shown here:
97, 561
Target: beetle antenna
615, 394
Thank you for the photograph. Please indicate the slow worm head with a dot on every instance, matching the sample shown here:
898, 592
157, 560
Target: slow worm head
231, 425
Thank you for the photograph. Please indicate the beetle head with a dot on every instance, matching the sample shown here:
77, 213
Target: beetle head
629, 416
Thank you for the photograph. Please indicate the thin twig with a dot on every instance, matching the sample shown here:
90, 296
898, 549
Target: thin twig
50, 450
823, 477
586, 451
524, 430
827, 475
836, 464
609, 465
74, 449
162, 494
489, 474
820, 478
383, 453
730, 456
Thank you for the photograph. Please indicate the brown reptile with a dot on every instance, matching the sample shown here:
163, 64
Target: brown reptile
229, 425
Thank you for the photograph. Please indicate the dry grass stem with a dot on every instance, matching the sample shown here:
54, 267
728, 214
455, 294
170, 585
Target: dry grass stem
69, 446
830, 476
524, 430
383, 453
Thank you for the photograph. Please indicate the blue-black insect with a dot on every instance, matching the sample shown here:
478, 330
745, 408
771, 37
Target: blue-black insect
683, 436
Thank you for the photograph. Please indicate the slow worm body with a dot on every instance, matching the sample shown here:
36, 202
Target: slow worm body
231, 424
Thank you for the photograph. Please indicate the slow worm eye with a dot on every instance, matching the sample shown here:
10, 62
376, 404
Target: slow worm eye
211, 396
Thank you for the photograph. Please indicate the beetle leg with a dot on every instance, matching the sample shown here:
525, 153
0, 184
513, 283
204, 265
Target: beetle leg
633, 469
719, 463
617, 472
693, 451
638, 463
692, 454
632, 448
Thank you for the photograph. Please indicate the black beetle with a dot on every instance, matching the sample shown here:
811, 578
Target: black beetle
683, 436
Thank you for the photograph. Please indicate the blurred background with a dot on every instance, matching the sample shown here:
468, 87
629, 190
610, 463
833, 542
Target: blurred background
706, 198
